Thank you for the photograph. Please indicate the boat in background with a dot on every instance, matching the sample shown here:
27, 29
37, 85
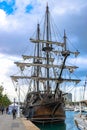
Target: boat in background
81, 118
83, 109
81, 121
76, 109
49, 73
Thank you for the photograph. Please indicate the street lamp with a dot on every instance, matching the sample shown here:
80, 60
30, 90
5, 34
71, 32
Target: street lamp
18, 114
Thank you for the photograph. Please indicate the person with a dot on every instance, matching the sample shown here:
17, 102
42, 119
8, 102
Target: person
14, 113
7, 110
2, 109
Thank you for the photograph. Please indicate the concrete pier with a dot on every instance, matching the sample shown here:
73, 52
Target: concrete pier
29, 125
8, 123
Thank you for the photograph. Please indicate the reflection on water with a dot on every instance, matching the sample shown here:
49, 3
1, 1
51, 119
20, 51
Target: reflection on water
61, 126
68, 125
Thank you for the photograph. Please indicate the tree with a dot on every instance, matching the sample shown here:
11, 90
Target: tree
1, 89
4, 100
1, 95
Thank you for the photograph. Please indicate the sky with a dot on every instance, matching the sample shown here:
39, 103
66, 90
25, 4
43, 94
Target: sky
18, 19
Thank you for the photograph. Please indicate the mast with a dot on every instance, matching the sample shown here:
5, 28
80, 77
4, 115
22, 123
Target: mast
84, 88
65, 54
38, 48
64, 40
47, 45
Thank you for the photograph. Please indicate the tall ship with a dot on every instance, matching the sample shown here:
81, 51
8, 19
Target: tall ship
46, 74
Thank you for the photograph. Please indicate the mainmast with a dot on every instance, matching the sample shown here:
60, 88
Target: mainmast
38, 48
64, 40
47, 45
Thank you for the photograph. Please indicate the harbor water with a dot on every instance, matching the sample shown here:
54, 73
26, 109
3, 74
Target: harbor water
68, 125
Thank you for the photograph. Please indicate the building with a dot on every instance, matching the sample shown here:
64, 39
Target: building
68, 97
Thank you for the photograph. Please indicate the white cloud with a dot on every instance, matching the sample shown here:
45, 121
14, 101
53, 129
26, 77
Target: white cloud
8, 23
80, 61
6, 63
3, 20
78, 93
8, 68
64, 7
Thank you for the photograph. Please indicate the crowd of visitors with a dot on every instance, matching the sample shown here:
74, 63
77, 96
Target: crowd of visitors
6, 110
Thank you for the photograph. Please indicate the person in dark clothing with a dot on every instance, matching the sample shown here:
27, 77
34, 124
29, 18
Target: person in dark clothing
7, 110
14, 113
2, 110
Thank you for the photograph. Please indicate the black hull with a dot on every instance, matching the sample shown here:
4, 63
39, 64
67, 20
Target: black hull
48, 120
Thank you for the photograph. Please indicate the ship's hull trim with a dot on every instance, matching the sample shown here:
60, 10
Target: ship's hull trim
48, 120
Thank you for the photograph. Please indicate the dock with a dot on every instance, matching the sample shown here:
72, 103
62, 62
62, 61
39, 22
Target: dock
81, 121
8, 123
29, 125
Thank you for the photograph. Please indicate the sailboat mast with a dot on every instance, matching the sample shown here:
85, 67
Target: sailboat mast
47, 45
38, 48
64, 40
65, 54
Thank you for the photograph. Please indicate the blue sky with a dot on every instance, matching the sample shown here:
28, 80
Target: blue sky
8, 7
18, 20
